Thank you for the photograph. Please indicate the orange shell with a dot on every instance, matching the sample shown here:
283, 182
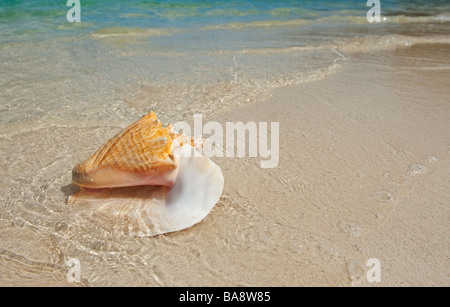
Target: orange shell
142, 147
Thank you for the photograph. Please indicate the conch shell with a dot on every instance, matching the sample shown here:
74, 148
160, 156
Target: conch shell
149, 179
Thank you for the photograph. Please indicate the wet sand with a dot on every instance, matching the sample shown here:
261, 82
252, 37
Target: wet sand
363, 173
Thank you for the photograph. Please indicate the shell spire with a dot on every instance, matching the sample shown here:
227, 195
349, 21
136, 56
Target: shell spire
140, 154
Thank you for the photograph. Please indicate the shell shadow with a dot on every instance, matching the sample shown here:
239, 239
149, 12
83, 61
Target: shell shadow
69, 190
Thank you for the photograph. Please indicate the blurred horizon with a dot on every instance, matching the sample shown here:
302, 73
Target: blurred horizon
23, 20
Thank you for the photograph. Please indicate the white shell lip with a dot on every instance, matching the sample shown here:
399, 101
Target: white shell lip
152, 210
197, 189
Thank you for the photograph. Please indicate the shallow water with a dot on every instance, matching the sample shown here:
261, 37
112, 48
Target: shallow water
66, 88
179, 58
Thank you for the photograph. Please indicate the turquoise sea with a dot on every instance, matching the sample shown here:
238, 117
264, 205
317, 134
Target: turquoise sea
25, 20
184, 56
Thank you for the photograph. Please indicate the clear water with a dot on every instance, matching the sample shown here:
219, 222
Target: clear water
179, 57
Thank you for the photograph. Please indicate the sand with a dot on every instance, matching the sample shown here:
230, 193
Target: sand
363, 172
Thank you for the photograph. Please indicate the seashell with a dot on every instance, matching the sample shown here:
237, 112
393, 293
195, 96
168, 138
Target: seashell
148, 179
139, 155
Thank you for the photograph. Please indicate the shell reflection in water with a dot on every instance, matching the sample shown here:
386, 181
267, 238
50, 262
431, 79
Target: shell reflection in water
148, 180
